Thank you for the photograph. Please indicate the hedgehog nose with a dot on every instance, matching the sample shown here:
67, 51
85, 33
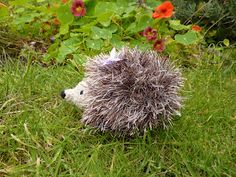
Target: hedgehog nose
63, 95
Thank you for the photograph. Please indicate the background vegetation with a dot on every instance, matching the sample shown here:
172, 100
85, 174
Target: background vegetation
217, 16
50, 29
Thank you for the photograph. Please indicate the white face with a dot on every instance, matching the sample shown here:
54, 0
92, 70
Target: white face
76, 95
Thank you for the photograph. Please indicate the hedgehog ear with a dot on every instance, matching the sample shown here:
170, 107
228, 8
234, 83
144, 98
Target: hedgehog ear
113, 53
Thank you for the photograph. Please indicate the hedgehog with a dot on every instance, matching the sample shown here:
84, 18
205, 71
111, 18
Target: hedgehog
128, 92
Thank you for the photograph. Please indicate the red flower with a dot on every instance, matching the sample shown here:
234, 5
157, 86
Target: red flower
196, 28
164, 10
159, 45
150, 33
78, 8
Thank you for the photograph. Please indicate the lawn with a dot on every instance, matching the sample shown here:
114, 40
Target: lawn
41, 135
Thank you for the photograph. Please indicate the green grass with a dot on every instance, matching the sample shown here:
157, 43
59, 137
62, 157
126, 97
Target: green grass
41, 135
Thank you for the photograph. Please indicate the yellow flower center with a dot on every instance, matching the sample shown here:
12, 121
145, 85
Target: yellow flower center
79, 9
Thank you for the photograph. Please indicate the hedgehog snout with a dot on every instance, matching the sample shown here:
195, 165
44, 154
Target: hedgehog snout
76, 95
63, 94
68, 94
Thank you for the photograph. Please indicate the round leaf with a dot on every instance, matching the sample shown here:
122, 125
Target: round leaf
116, 41
105, 7
226, 42
105, 19
112, 28
64, 29
99, 33
143, 22
94, 44
187, 38
67, 47
175, 24
64, 15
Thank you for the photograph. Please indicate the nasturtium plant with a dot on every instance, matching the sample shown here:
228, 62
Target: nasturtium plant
176, 25
94, 44
187, 38
163, 28
100, 33
68, 46
226, 42
64, 15
72, 27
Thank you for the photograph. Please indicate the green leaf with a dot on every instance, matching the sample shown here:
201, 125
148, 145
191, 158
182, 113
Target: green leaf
3, 12
68, 47
112, 28
26, 18
90, 7
122, 7
82, 21
94, 44
80, 58
116, 41
99, 33
19, 2
64, 15
105, 7
85, 28
175, 24
105, 19
129, 11
142, 45
74, 35
226, 42
153, 4
52, 52
187, 38
64, 29
131, 28
19, 10
163, 28
143, 22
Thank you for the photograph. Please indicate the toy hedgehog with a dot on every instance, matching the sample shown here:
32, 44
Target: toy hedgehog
128, 92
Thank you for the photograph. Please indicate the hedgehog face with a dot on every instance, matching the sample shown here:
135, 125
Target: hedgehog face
76, 95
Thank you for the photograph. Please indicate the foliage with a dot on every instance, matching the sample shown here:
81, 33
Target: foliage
217, 16
10, 43
105, 24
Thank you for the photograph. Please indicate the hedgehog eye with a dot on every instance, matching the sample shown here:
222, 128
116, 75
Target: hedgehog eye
81, 92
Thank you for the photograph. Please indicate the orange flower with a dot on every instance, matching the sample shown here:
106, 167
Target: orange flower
196, 28
164, 10
56, 21
64, 1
